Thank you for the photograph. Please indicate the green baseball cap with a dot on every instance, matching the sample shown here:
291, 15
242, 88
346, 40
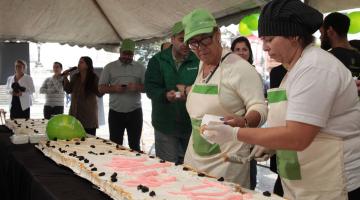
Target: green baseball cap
177, 28
127, 45
197, 22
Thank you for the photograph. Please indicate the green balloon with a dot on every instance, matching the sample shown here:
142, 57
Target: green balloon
251, 21
244, 30
64, 127
354, 22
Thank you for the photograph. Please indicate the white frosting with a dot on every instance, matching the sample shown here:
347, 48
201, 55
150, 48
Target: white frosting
31, 130
165, 179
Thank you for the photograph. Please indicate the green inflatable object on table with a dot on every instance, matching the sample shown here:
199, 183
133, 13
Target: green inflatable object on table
64, 127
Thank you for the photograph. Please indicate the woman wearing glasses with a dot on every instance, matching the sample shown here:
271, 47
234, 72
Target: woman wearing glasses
230, 86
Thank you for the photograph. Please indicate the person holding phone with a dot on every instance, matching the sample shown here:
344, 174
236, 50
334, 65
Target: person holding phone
123, 80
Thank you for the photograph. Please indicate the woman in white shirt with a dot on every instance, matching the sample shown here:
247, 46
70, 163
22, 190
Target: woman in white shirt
21, 87
226, 85
314, 114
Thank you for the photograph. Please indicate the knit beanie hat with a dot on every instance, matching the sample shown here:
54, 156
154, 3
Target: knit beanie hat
288, 18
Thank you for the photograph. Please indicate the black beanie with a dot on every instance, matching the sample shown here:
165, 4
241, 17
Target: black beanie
288, 18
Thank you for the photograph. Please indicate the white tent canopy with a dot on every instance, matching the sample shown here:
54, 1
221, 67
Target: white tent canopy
104, 23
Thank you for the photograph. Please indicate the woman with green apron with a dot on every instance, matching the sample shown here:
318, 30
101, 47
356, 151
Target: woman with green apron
223, 78
313, 115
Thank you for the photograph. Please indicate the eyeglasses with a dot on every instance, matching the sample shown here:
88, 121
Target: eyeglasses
204, 41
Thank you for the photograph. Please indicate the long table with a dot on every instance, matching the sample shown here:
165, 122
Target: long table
25, 173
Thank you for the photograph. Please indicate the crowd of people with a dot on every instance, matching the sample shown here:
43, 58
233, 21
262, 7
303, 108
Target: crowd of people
312, 110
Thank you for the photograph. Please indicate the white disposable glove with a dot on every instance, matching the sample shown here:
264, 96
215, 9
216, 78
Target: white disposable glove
220, 133
260, 153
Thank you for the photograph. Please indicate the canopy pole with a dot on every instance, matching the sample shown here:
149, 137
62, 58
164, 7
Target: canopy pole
107, 19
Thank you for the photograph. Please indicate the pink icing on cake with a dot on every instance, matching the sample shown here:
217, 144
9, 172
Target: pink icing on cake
217, 190
141, 173
134, 164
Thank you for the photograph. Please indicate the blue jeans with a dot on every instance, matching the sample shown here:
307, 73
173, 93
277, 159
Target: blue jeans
171, 147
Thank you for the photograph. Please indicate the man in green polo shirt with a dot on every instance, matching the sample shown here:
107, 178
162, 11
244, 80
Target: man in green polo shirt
123, 79
168, 74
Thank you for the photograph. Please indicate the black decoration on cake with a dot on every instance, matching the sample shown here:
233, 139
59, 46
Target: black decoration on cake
201, 174
152, 193
186, 169
102, 174
144, 189
267, 193
81, 158
114, 175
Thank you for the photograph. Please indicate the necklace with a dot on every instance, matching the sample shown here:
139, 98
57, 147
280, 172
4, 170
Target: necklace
211, 72
206, 76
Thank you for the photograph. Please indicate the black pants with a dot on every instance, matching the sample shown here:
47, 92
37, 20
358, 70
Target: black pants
253, 173
131, 121
50, 111
354, 195
16, 111
278, 189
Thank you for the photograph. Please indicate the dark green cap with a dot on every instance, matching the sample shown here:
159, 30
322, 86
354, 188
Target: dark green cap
177, 28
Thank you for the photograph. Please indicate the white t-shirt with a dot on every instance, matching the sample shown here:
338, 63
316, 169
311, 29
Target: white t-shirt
322, 92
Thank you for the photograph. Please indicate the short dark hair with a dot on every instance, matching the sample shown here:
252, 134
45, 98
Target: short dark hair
247, 43
58, 63
305, 40
339, 22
